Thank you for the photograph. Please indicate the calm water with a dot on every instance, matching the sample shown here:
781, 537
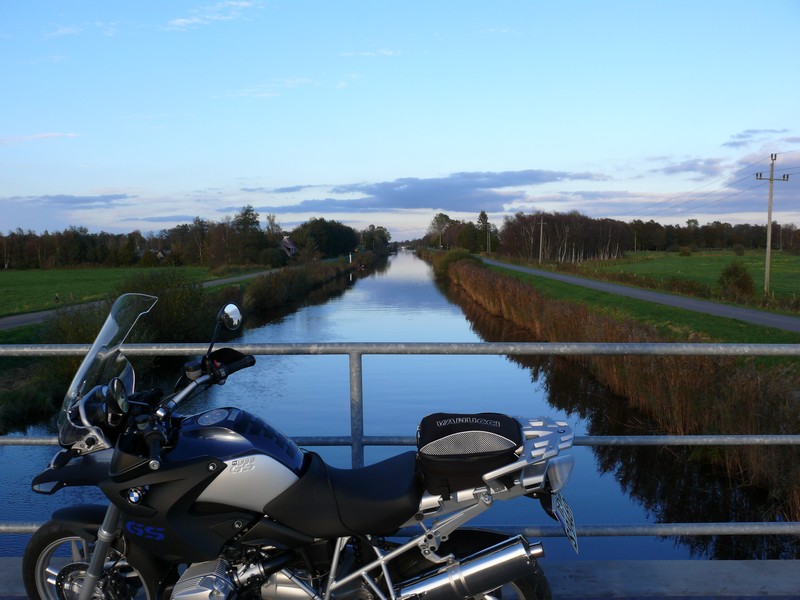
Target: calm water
309, 395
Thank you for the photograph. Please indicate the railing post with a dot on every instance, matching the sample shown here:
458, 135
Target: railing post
356, 410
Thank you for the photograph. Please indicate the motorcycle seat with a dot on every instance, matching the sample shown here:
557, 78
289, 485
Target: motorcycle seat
329, 502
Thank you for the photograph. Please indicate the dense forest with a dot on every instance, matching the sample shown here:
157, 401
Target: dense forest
241, 240
574, 237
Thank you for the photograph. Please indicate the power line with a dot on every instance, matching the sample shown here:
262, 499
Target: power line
673, 198
723, 198
655, 211
701, 197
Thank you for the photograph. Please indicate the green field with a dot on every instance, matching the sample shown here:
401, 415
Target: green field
34, 290
673, 323
706, 267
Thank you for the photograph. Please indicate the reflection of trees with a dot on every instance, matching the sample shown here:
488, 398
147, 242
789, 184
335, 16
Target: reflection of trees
319, 295
674, 484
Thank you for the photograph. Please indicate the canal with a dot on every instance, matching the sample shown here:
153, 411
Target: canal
309, 395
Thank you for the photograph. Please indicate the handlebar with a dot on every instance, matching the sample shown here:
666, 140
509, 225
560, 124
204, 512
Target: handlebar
237, 365
216, 368
168, 406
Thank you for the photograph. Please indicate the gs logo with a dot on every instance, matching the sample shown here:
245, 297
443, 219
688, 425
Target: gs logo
147, 532
242, 465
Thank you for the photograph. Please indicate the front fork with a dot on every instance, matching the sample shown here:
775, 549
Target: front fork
105, 537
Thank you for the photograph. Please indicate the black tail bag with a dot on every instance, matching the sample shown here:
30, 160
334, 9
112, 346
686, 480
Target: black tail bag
455, 450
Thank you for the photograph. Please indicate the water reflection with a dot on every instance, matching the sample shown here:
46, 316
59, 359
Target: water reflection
672, 484
309, 395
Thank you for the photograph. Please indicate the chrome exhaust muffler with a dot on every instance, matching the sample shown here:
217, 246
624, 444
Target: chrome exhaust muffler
477, 574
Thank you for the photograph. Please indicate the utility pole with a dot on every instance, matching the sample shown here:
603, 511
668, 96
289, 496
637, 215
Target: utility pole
541, 227
773, 158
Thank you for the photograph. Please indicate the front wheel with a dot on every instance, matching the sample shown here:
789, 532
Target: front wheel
55, 562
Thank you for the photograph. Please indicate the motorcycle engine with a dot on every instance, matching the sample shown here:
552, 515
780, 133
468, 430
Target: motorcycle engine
202, 581
213, 579
281, 587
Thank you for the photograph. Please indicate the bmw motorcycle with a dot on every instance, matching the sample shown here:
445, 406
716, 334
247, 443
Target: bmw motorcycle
220, 505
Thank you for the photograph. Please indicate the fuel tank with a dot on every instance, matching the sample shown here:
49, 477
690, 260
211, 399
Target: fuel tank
218, 471
260, 461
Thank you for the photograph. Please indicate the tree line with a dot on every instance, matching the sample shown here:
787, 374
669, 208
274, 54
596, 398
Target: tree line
575, 237
237, 240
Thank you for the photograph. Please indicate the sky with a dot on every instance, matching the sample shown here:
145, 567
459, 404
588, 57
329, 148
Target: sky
122, 116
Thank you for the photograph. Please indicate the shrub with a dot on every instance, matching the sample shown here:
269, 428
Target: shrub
442, 263
184, 313
271, 290
685, 251
738, 249
736, 283
272, 257
277, 288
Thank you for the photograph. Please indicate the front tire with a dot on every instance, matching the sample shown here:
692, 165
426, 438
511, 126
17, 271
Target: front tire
55, 561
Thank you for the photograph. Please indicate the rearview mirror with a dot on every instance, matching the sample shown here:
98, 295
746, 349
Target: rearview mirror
231, 316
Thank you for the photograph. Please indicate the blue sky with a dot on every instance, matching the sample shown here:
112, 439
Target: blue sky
142, 115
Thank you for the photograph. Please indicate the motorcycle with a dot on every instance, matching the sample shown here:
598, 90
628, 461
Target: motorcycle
221, 505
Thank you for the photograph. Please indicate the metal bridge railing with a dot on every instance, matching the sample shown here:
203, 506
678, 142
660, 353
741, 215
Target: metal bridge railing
358, 441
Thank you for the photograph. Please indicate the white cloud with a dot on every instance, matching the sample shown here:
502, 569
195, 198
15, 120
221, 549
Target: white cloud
62, 30
210, 14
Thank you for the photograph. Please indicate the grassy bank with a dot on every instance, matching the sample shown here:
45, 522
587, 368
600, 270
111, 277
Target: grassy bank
671, 323
31, 389
44, 289
683, 395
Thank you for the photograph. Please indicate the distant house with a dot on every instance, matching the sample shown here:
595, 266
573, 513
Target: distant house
288, 247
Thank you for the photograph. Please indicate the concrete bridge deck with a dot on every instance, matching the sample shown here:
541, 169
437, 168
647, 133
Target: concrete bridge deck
628, 579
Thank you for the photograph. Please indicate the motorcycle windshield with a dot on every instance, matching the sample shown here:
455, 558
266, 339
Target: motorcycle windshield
103, 362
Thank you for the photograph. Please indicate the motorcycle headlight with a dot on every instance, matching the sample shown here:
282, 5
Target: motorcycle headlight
559, 470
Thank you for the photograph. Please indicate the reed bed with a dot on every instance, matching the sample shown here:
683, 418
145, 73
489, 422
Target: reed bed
281, 287
683, 395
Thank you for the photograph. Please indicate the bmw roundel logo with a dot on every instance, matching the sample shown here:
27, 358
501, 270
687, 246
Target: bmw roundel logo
135, 495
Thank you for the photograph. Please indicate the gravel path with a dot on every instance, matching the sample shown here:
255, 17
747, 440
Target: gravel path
34, 318
748, 315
